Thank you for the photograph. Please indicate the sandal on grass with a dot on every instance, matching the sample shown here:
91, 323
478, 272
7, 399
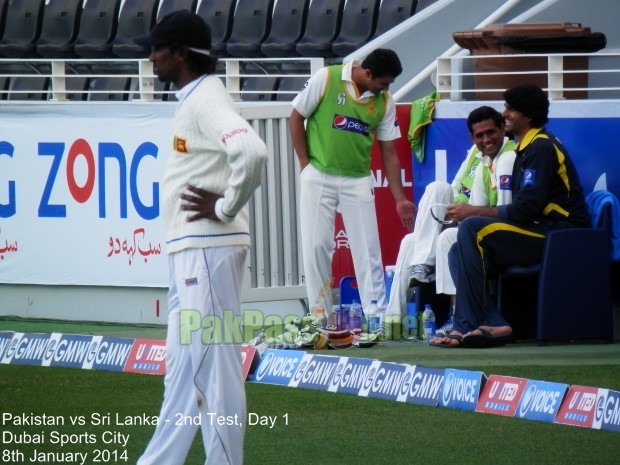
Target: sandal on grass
485, 340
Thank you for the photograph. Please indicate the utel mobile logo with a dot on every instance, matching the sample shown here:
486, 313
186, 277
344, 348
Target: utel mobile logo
147, 356
501, 395
582, 401
346, 123
578, 407
507, 391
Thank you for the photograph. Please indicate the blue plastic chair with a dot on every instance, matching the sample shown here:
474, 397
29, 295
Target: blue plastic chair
349, 290
573, 300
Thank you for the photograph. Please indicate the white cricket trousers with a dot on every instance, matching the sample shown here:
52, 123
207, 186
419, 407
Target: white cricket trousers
419, 247
443, 279
321, 194
202, 379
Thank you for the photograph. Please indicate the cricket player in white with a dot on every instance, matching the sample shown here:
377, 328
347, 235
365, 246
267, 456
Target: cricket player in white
216, 164
346, 107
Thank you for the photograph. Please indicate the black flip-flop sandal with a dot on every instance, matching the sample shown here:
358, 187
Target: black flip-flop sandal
485, 341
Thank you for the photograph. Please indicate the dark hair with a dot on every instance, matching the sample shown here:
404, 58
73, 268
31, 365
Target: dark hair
383, 62
484, 113
529, 100
198, 63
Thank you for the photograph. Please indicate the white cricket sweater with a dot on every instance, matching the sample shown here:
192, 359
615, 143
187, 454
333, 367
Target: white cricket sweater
215, 149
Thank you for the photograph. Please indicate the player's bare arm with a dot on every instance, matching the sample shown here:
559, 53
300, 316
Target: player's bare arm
298, 136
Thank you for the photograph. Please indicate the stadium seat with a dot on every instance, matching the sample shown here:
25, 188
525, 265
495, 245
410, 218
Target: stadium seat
137, 17
107, 89
322, 27
3, 7
289, 87
259, 88
160, 91
218, 14
166, 87
168, 6
424, 4
97, 29
392, 13
61, 21
287, 27
36, 87
76, 87
251, 25
4, 86
359, 20
349, 290
22, 28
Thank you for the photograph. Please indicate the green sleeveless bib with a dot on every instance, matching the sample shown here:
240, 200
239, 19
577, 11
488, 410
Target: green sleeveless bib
341, 132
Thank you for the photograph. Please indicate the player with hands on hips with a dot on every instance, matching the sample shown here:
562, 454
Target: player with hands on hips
216, 164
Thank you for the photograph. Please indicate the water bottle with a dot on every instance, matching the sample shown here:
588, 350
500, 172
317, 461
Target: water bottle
411, 322
372, 315
344, 316
381, 320
390, 271
319, 313
355, 316
428, 321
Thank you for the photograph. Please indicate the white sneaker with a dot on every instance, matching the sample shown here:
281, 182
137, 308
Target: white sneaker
421, 274
446, 329
448, 326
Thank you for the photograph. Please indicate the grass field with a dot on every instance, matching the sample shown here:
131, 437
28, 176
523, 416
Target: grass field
325, 428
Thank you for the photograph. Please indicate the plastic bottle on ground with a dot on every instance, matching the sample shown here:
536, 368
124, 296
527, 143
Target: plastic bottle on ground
428, 322
372, 317
319, 313
411, 322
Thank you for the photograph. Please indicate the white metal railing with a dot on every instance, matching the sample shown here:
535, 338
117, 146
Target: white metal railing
60, 80
563, 76
457, 77
275, 264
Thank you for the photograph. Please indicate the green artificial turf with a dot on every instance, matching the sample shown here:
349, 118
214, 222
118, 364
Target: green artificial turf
311, 426
319, 427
